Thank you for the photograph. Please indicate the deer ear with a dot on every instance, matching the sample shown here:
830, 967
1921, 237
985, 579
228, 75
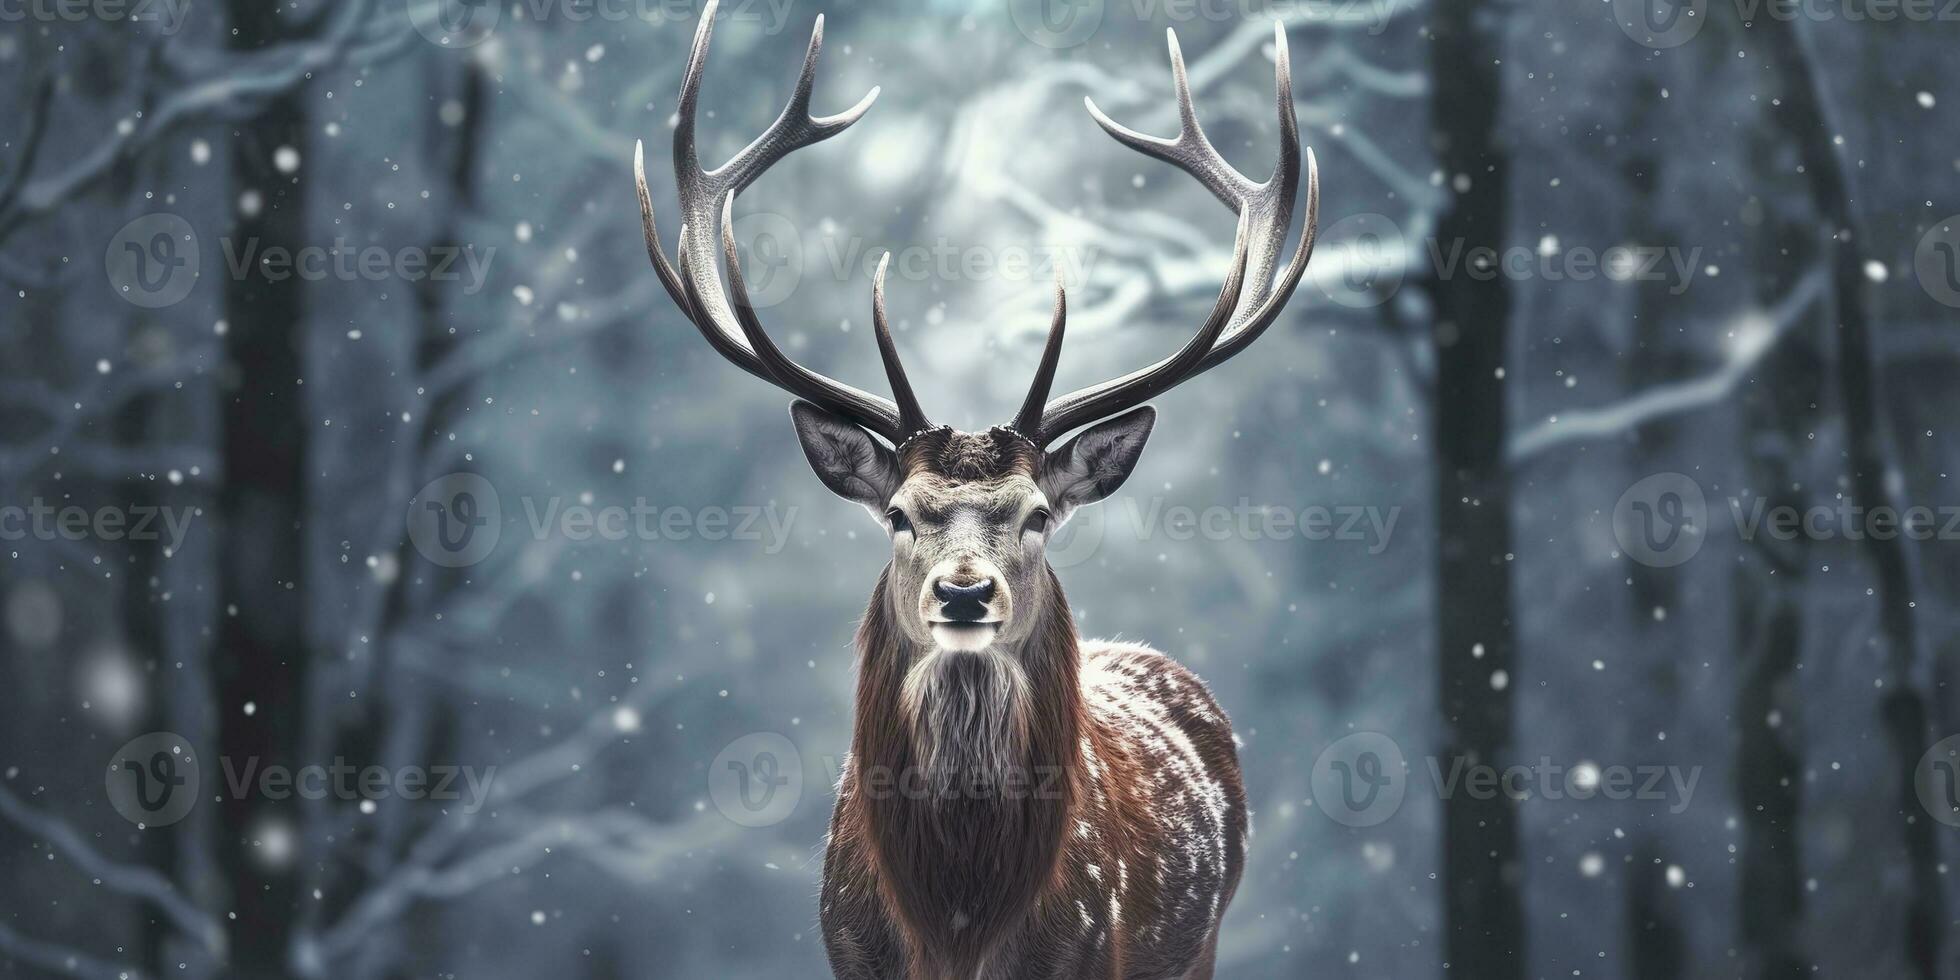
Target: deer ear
1094, 464
853, 465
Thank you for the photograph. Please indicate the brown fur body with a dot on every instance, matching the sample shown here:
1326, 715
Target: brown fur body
1109, 848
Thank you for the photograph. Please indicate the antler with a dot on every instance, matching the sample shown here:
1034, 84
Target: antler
707, 199
1251, 298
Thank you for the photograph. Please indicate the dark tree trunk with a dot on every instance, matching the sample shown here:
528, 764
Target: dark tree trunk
1656, 944
1657, 949
416, 719
261, 655
143, 626
1656, 359
1769, 778
1475, 632
1806, 115
1769, 583
1779, 413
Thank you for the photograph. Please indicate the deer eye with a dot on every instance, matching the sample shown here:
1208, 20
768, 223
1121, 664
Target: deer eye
900, 523
1037, 522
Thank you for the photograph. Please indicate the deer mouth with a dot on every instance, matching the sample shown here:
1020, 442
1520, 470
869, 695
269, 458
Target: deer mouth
964, 637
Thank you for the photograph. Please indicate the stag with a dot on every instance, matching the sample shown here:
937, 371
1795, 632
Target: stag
1019, 801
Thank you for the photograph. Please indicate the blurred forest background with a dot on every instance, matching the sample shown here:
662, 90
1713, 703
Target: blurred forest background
1792, 172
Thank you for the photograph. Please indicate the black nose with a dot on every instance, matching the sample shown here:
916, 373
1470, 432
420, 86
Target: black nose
963, 603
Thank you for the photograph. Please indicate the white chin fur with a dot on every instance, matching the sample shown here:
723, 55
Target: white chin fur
964, 637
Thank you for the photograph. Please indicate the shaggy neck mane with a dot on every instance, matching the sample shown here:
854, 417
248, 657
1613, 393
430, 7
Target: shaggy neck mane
967, 767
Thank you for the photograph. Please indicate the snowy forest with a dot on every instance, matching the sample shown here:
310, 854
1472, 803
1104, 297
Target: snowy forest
392, 579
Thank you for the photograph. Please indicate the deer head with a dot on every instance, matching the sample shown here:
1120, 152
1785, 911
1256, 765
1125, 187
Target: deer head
970, 513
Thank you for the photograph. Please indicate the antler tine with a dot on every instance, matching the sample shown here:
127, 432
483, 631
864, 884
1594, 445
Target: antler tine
859, 406
1265, 212
702, 190
1272, 204
1249, 329
1191, 150
669, 276
1028, 420
910, 417
1101, 401
707, 201
794, 128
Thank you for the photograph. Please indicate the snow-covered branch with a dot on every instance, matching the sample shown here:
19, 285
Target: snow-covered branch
133, 880
30, 145
60, 960
1256, 33
618, 841
423, 873
101, 398
1752, 345
233, 87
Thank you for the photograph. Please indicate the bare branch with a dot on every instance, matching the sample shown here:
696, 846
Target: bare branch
1676, 398
619, 841
422, 874
102, 398
233, 88
134, 880
30, 146
60, 959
